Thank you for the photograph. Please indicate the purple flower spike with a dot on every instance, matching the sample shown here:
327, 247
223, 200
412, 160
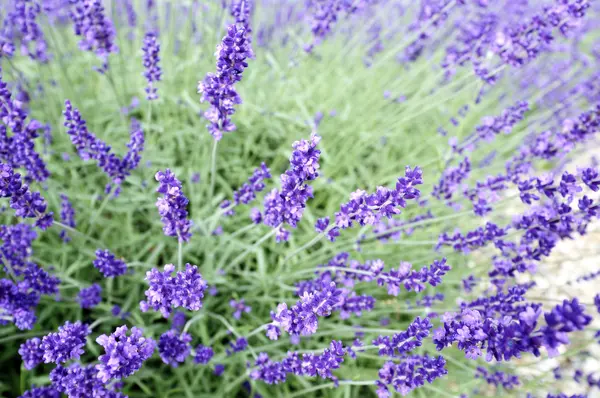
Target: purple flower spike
124, 355
366, 209
185, 289
218, 88
203, 354
151, 49
67, 216
108, 264
172, 206
239, 307
95, 29
287, 206
90, 297
174, 348
66, 344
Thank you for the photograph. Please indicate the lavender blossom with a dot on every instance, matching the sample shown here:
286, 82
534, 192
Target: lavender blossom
172, 206
406, 341
90, 147
65, 344
108, 264
124, 354
22, 20
203, 354
26, 204
218, 88
79, 381
41, 392
90, 297
18, 146
247, 192
95, 29
410, 374
239, 307
174, 347
67, 216
151, 49
287, 206
367, 209
17, 304
185, 289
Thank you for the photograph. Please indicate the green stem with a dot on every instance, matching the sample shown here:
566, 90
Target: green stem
213, 169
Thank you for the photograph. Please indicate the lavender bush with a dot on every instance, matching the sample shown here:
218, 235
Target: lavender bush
285, 198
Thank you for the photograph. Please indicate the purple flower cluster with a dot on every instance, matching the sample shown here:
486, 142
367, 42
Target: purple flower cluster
366, 209
247, 192
287, 205
451, 180
124, 354
203, 354
90, 297
18, 148
406, 341
238, 345
108, 264
95, 29
302, 318
17, 304
409, 374
513, 333
26, 204
174, 347
497, 378
77, 381
59, 347
239, 307
310, 365
172, 206
152, 72
185, 289
90, 147
218, 88
41, 392
67, 216
21, 21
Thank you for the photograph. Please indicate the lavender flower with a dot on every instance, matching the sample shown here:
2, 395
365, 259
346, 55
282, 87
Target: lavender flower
124, 354
17, 304
174, 347
41, 392
90, 297
240, 344
367, 209
247, 192
185, 290
287, 206
65, 344
90, 147
151, 49
203, 354
410, 374
404, 342
22, 21
239, 308
218, 89
309, 365
172, 206
31, 353
26, 204
79, 381
108, 264
95, 29
497, 378
67, 216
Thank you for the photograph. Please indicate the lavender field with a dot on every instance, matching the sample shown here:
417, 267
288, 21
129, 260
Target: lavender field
299, 198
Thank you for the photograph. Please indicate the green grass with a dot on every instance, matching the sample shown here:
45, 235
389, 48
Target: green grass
367, 143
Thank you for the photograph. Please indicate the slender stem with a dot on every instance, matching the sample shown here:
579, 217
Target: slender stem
254, 246
179, 255
99, 321
189, 323
97, 213
213, 169
307, 245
